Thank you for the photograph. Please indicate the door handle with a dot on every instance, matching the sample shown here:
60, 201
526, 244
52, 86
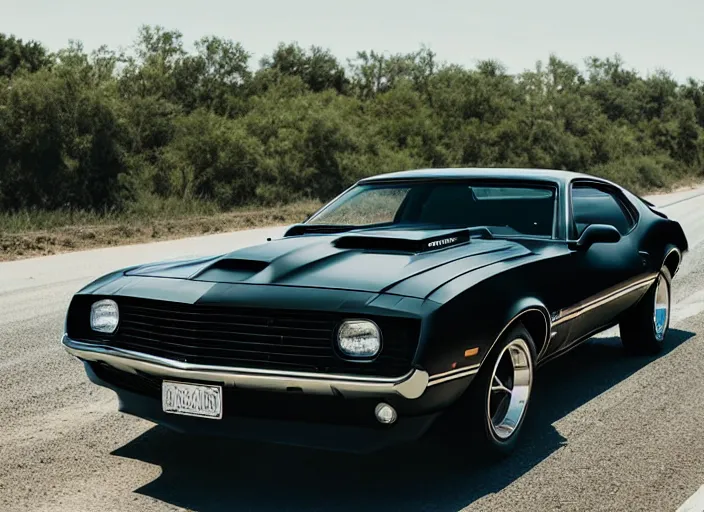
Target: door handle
644, 258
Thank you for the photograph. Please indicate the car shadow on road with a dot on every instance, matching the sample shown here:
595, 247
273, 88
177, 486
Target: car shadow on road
216, 475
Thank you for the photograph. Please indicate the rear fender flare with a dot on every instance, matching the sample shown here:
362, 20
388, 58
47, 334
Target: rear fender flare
672, 252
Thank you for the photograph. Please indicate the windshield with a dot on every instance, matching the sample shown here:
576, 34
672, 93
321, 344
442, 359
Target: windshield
505, 209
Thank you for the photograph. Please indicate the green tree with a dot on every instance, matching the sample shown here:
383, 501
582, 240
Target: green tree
16, 55
317, 67
161, 121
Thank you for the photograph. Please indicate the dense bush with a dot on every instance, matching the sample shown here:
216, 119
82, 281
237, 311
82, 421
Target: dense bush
110, 131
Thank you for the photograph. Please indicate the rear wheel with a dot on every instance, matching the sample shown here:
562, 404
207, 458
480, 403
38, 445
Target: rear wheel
643, 329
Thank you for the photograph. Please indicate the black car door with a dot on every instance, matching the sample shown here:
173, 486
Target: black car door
606, 275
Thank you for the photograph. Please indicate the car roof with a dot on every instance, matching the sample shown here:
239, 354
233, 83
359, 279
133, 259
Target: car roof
552, 175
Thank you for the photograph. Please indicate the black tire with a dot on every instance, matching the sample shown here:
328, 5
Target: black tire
475, 417
638, 331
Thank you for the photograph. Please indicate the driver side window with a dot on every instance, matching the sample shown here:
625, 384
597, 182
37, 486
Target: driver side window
591, 205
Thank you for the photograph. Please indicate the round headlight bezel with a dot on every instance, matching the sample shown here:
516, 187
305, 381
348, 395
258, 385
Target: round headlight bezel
99, 307
350, 356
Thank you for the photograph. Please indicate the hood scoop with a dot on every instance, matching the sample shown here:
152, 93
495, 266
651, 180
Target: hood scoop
409, 241
231, 270
253, 266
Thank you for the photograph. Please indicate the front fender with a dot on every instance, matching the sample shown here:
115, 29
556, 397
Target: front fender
464, 330
521, 310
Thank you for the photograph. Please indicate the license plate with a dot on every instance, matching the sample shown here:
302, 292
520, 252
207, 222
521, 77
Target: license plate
192, 399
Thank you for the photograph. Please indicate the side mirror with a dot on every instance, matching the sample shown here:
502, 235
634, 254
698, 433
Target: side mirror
597, 233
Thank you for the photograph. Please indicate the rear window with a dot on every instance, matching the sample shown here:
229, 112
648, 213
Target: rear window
511, 193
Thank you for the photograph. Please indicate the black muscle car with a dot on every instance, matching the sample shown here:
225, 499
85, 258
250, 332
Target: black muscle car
411, 296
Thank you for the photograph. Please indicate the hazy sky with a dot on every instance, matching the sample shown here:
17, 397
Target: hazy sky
647, 34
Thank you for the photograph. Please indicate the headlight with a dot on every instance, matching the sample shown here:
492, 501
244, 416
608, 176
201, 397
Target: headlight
359, 338
104, 316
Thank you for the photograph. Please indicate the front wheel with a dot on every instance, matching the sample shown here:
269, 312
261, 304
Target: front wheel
643, 329
499, 396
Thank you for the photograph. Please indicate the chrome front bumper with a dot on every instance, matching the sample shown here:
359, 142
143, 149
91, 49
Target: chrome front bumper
410, 386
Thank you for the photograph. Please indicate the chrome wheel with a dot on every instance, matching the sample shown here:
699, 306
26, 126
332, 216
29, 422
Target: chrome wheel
661, 310
510, 388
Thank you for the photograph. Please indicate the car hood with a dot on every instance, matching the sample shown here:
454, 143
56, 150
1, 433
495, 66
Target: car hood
370, 261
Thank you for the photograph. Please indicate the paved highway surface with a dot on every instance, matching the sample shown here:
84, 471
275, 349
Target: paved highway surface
604, 432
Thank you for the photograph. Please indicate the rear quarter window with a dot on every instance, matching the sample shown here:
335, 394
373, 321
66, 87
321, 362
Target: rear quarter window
595, 205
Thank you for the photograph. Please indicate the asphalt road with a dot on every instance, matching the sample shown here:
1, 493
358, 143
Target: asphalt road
605, 431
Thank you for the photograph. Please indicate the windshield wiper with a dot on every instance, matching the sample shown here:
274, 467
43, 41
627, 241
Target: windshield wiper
302, 229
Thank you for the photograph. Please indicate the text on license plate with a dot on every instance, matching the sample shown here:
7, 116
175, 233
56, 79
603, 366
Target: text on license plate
192, 399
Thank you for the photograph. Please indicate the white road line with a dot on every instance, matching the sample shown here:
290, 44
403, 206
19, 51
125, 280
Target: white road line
692, 305
695, 503
673, 203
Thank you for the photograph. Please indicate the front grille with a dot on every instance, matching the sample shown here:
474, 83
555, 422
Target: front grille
256, 338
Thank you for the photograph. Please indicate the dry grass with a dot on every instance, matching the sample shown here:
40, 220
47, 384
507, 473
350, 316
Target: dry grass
30, 234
